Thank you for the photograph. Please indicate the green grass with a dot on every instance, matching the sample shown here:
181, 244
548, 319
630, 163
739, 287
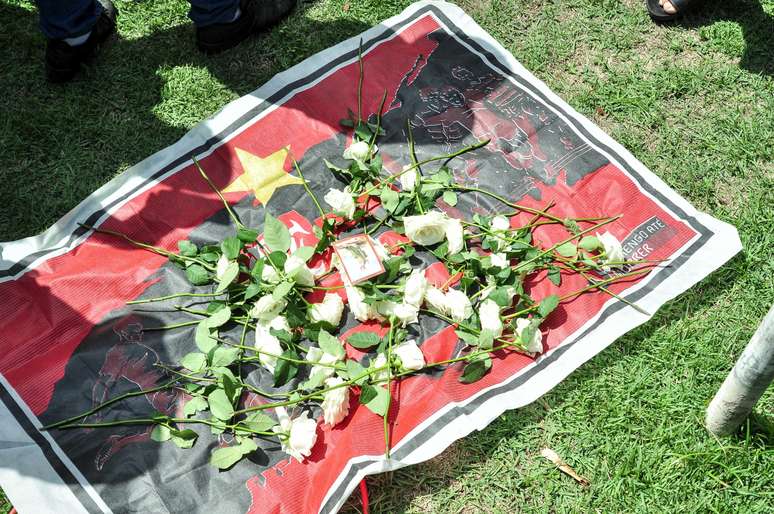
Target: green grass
693, 101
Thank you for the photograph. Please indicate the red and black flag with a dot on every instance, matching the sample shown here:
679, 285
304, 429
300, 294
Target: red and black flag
69, 341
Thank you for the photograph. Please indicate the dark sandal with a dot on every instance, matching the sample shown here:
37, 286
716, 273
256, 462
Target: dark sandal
657, 13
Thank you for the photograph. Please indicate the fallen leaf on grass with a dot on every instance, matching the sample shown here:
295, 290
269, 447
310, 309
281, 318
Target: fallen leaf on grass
551, 455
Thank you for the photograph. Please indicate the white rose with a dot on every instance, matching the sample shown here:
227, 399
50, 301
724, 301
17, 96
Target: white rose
436, 300
341, 203
317, 355
221, 266
266, 308
266, 342
358, 151
335, 404
302, 432
489, 314
426, 229
500, 222
361, 310
454, 235
269, 275
405, 313
613, 249
416, 287
379, 362
411, 357
536, 344
408, 179
329, 310
499, 260
296, 268
459, 305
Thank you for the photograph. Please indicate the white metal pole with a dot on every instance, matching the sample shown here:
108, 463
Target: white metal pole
743, 387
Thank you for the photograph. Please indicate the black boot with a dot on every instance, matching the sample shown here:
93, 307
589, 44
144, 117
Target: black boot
255, 15
64, 61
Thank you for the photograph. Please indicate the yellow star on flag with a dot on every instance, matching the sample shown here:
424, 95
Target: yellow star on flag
263, 175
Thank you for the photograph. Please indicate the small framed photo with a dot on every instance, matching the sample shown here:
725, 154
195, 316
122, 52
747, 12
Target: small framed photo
359, 258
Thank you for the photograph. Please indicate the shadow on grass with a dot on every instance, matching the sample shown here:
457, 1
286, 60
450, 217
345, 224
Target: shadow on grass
121, 108
757, 31
758, 426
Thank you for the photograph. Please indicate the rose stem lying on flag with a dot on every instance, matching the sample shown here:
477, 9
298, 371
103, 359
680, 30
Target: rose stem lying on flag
485, 300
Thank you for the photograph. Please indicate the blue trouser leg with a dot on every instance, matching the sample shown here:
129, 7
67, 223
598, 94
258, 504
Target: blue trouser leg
209, 12
61, 19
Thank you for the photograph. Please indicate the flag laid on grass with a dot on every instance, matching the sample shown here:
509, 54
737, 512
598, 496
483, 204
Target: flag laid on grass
69, 342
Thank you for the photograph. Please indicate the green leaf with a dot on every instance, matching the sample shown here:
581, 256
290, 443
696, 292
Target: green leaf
247, 235
195, 361
285, 370
224, 376
376, 398
197, 275
203, 336
281, 290
231, 385
222, 356
275, 234
217, 426
467, 337
363, 131
247, 444
257, 271
282, 334
184, 438
332, 166
355, 370
211, 257
590, 243
231, 247
224, 458
220, 406
187, 248
219, 317
363, 340
529, 332
486, 339
500, 296
572, 226
567, 249
251, 291
231, 273
330, 344
161, 433
476, 369
390, 198
547, 305
192, 388
194, 405
450, 197
259, 422
278, 258
555, 275
304, 253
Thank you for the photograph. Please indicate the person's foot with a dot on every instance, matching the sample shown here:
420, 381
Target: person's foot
254, 15
270, 12
64, 60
